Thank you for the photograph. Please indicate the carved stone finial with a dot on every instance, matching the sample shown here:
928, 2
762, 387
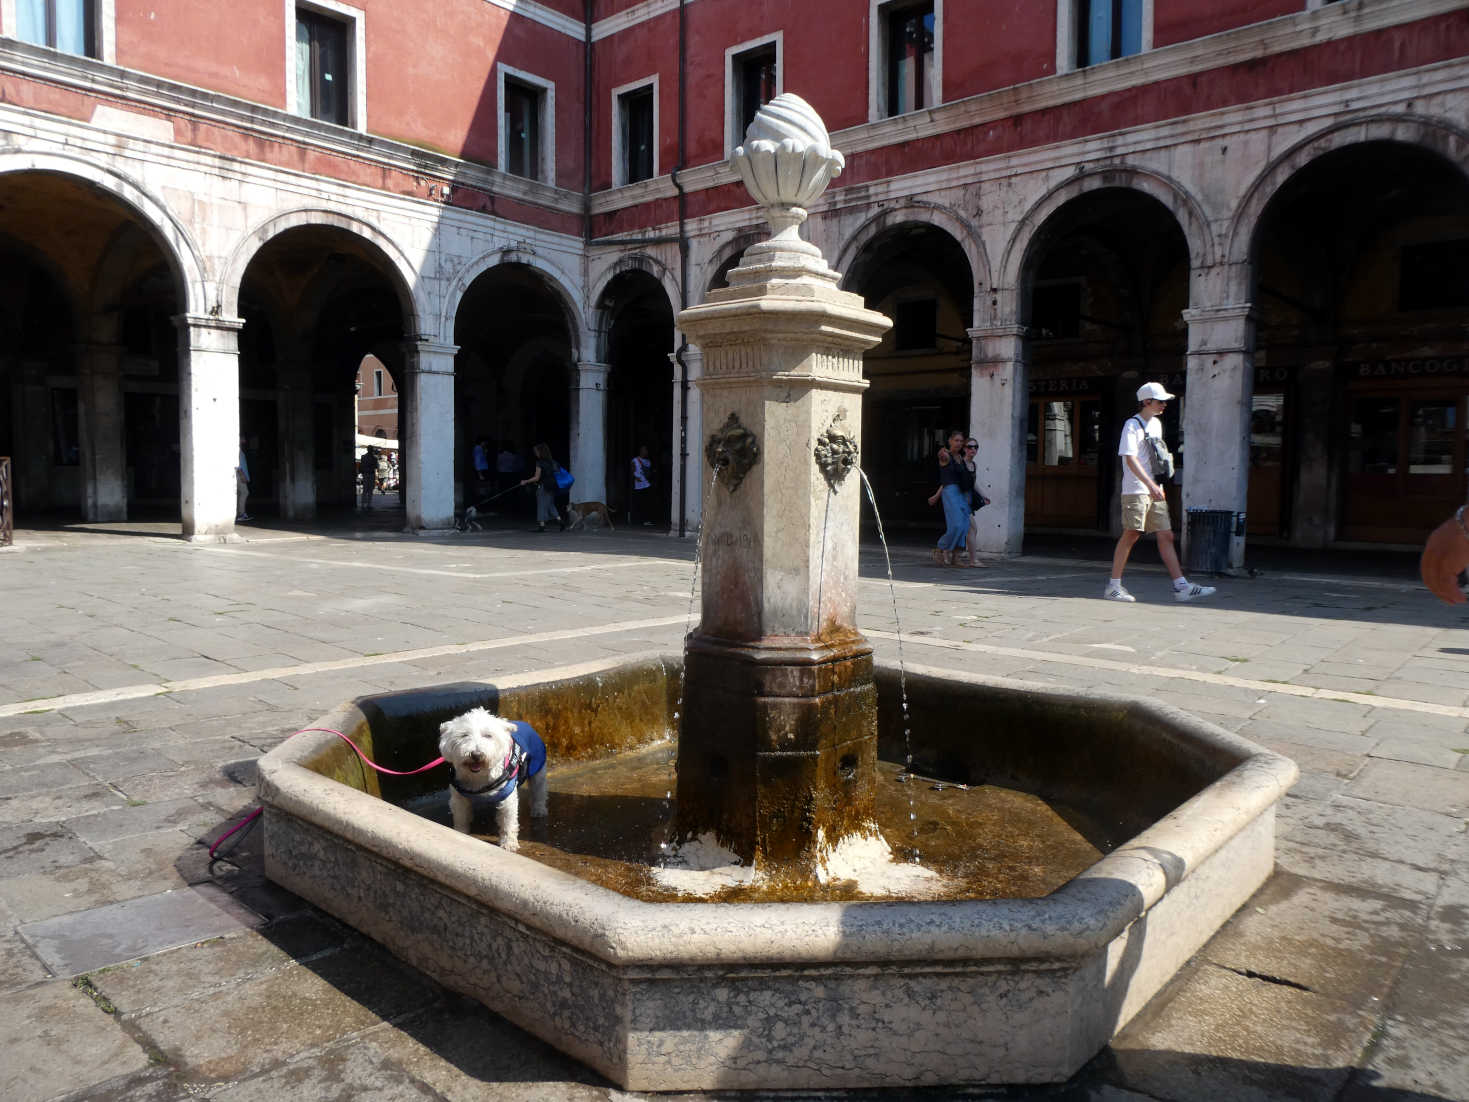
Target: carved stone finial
786, 162
836, 451
732, 452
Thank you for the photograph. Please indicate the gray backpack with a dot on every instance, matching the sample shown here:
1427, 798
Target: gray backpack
1157, 455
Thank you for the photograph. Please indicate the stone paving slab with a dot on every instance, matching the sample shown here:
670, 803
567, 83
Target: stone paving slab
57, 1040
79, 942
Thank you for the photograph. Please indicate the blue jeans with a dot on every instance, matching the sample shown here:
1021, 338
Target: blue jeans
956, 519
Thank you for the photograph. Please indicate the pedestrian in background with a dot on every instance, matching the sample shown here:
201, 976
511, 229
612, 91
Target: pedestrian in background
642, 488
367, 470
977, 501
242, 483
1144, 504
543, 478
955, 483
481, 460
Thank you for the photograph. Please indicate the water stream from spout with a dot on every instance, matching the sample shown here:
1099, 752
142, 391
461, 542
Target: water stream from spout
665, 847
906, 775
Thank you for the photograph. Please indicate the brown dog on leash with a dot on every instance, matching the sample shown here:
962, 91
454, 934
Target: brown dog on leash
591, 509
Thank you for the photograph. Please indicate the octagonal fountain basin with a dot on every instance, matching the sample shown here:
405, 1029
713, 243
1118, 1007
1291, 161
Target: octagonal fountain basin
1155, 827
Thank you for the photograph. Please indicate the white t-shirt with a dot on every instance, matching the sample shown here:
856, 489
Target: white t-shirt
1131, 442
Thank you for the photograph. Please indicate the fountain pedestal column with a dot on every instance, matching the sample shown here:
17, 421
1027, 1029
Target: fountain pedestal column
777, 742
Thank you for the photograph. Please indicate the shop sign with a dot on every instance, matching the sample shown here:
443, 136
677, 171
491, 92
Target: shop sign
1426, 368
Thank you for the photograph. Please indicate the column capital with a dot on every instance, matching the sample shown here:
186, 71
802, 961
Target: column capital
1228, 328
208, 321
983, 332
418, 350
429, 345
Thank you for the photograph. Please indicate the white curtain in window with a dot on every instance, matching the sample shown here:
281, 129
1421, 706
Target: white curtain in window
71, 26
31, 21
303, 69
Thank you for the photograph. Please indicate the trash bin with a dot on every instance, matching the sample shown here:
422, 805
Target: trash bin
1209, 534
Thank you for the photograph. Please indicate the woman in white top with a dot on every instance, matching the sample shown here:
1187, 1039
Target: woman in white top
642, 488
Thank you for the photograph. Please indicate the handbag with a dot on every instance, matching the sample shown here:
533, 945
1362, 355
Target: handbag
977, 501
563, 478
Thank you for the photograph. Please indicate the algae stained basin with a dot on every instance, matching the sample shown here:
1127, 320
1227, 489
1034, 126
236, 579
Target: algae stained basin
693, 995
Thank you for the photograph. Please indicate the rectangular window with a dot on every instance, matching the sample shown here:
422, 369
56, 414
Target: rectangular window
637, 133
521, 130
1108, 29
377, 383
65, 435
909, 49
915, 325
1434, 276
323, 68
67, 25
752, 80
1055, 310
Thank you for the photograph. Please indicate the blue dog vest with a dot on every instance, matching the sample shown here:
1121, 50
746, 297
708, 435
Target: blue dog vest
527, 757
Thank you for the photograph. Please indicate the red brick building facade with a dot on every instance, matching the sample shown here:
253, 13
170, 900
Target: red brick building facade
209, 217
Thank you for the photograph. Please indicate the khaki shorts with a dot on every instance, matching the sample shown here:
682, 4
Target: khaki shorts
1140, 513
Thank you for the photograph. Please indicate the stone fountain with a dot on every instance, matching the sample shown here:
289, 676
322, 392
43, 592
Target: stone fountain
784, 718
777, 753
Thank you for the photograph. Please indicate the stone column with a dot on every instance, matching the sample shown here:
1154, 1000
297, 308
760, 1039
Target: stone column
1216, 415
100, 412
693, 437
426, 421
1313, 494
296, 443
209, 423
777, 749
999, 394
588, 457
31, 464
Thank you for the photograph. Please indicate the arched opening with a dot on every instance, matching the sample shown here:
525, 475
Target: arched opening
316, 301
1361, 292
1102, 291
919, 276
638, 324
88, 352
513, 374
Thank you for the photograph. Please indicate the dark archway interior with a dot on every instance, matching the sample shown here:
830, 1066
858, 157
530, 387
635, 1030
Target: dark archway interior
638, 320
1361, 266
84, 285
514, 370
918, 276
315, 301
1103, 290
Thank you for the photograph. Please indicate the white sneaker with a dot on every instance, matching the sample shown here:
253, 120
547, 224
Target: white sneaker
1193, 592
1117, 593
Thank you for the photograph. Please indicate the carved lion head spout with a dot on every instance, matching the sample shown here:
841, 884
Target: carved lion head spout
732, 452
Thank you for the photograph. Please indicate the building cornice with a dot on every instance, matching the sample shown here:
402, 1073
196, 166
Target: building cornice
1201, 55
90, 77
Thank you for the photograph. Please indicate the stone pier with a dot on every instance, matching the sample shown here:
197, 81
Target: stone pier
777, 746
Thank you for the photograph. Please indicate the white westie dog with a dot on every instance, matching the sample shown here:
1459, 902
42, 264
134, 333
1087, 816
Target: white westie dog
492, 757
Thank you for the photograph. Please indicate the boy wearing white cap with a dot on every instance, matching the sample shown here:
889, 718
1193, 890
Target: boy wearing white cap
1144, 506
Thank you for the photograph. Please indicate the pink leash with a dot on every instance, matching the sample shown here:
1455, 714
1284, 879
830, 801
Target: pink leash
248, 819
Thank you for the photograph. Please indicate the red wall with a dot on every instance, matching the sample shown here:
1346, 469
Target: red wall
1180, 20
990, 44
182, 40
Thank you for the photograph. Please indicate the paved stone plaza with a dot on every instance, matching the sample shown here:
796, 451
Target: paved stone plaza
141, 676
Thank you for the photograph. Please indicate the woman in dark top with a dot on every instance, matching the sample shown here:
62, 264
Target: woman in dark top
543, 478
955, 482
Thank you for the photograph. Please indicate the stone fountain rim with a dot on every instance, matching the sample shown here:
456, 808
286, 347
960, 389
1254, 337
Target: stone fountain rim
1079, 918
